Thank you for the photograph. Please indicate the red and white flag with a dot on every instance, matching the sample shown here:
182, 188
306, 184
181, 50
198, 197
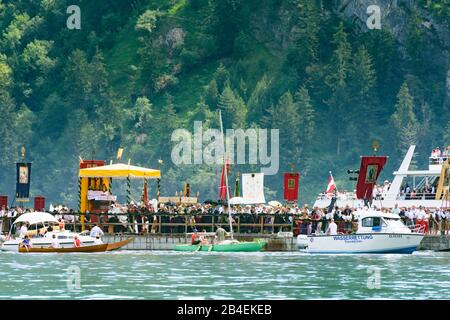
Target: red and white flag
331, 185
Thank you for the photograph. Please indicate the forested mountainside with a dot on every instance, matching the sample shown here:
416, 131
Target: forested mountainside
139, 69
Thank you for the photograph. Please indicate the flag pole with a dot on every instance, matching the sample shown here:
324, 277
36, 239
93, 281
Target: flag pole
226, 175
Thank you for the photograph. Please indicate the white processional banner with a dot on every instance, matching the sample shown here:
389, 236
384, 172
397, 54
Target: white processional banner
253, 188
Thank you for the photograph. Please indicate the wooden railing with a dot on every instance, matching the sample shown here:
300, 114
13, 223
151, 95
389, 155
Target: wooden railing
180, 223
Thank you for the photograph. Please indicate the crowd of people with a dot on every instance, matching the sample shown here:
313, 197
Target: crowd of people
139, 218
438, 157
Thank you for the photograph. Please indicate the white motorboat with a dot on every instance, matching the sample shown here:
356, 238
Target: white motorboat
39, 221
378, 232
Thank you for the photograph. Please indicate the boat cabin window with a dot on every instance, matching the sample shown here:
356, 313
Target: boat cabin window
65, 237
372, 222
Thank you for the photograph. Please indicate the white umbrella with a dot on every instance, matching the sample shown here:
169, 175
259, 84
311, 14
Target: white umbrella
36, 217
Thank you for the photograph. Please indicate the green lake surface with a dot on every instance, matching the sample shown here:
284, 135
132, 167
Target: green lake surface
209, 275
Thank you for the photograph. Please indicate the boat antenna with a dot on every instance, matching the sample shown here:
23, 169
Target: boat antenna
226, 174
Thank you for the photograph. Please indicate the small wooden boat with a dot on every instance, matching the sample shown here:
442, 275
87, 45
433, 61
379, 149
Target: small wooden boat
94, 248
227, 246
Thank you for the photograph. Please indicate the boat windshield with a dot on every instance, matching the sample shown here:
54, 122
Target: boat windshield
373, 222
395, 222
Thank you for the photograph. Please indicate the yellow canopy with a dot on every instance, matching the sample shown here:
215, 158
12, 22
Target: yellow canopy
119, 170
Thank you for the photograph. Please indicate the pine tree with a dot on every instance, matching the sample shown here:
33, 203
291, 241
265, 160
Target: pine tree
222, 77
306, 114
306, 35
362, 78
404, 120
211, 94
337, 81
285, 118
259, 100
234, 110
143, 117
77, 80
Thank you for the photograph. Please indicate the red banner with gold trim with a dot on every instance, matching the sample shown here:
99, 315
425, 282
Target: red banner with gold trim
291, 186
368, 174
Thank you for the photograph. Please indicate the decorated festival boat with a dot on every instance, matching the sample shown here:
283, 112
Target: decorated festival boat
43, 232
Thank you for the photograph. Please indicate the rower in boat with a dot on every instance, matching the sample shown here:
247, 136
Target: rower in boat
76, 242
195, 239
220, 234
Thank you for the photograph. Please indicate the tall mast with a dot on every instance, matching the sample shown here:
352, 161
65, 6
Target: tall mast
226, 175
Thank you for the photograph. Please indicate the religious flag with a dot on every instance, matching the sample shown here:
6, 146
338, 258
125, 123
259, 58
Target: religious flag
291, 186
223, 187
23, 181
368, 174
331, 184
253, 188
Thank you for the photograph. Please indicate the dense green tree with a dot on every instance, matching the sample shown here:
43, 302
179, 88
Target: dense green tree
337, 78
285, 118
306, 113
306, 35
229, 16
362, 78
77, 83
404, 120
259, 100
415, 42
234, 110
147, 21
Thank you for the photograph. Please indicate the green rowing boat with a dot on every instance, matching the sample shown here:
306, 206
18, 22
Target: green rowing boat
226, 246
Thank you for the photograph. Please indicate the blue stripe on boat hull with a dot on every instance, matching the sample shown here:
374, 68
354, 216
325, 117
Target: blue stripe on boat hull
407, 250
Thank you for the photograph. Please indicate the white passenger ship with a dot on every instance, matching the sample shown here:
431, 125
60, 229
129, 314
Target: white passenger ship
378, 232
436, 177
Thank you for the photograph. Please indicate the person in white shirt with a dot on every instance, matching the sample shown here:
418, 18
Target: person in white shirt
96, 231
332, 228
396, 210
420, 215
409, 218
55, 242
23, 230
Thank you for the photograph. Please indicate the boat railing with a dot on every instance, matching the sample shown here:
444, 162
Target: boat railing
438, 160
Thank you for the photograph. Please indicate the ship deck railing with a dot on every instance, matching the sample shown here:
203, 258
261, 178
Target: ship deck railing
178, 223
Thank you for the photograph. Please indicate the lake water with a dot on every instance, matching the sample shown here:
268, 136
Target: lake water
203, 275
